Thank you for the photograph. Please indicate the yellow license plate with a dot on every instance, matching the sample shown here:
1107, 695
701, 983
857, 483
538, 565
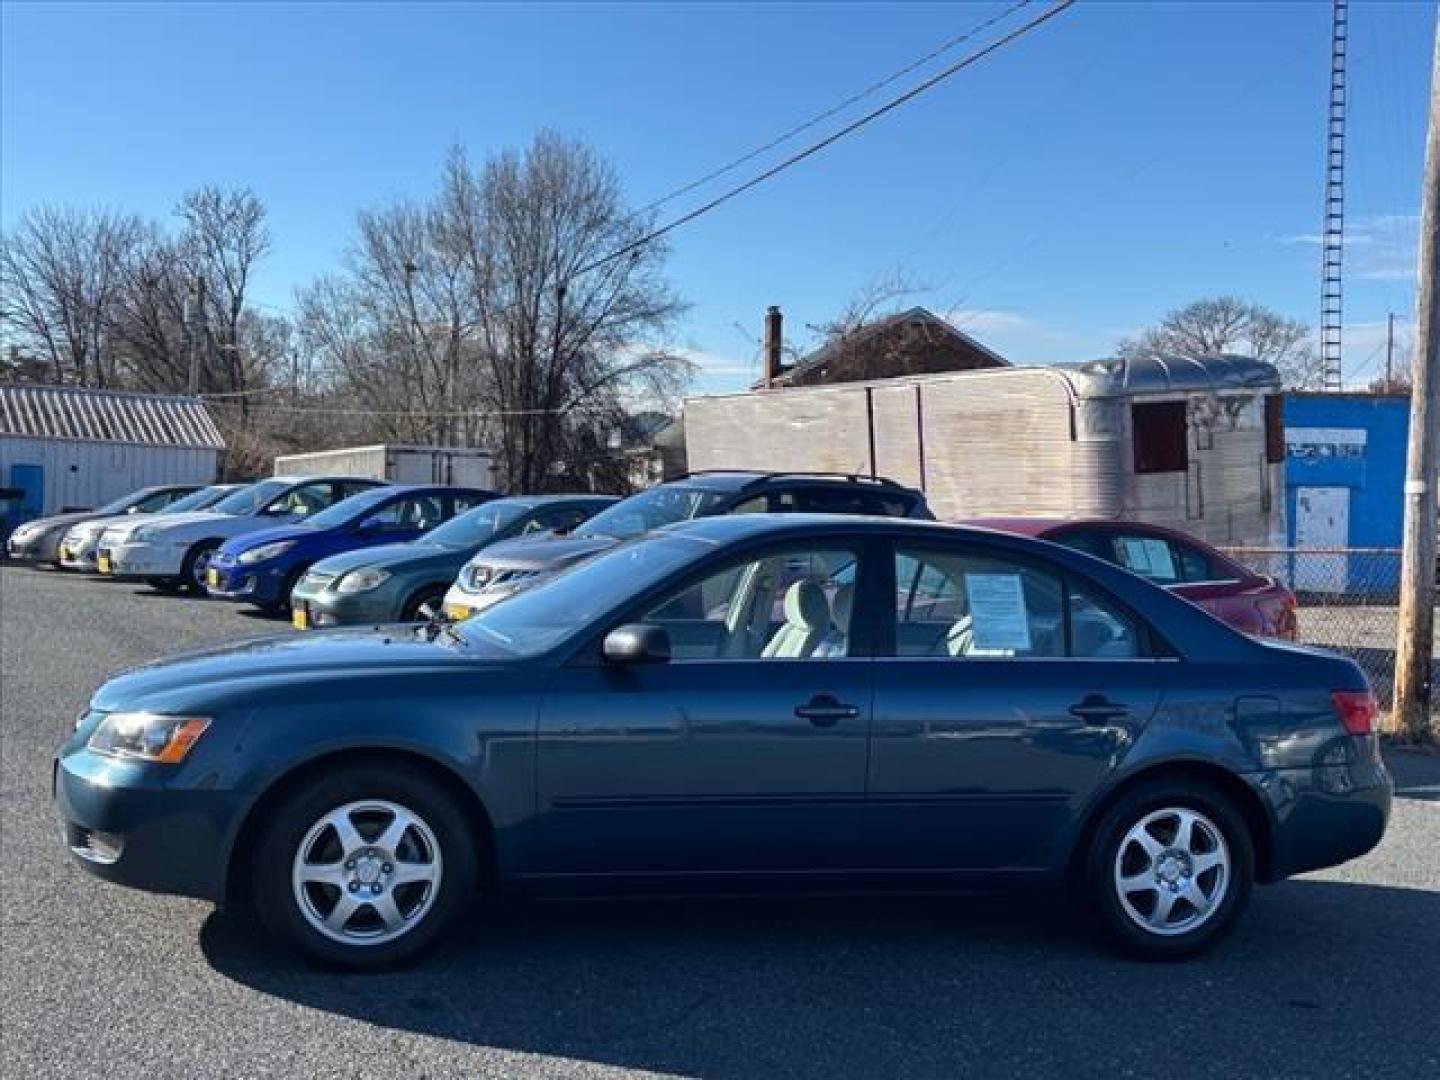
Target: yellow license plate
300, 619
102, 563
212, 578
457, 612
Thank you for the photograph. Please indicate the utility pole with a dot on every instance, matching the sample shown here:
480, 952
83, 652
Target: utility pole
1414, 664
195, 323
1389, 352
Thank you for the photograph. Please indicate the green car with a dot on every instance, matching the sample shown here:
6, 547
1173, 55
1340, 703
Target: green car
406, 582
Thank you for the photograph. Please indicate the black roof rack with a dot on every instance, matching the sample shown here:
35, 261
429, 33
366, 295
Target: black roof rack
761, 475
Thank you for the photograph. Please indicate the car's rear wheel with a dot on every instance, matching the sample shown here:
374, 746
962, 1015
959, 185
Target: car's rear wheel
365, 868
1170, 869
424, 605
197, 561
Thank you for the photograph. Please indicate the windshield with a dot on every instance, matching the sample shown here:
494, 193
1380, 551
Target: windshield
536, 620
120, 505
197, 500
348, 510
248, 500
651, 509
478, 525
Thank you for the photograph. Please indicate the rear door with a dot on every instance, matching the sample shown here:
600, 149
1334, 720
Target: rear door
1007, 692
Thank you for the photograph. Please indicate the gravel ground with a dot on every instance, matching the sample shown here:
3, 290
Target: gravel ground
1334, 974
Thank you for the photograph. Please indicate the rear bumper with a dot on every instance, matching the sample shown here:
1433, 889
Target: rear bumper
139, 832
1330, 813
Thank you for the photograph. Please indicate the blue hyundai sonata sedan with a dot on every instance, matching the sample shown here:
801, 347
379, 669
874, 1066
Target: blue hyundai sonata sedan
740, 703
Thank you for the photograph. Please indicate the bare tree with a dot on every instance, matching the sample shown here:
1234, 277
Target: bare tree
61, 274
876, 300
491, 313
1227, 325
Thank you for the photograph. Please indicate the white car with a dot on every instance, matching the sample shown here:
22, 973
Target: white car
79, 546
173, 551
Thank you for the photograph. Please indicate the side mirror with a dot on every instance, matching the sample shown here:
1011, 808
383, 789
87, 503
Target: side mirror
637, 643
133, 510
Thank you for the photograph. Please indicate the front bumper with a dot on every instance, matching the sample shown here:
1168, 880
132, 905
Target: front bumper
460, 605
125, 822
262, 583
41, 548
141, 560
1330, 813
79, 556
323, 607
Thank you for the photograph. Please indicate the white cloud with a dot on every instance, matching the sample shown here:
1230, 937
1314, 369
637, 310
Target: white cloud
1380, 247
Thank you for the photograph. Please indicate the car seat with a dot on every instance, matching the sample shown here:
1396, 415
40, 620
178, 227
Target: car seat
807, 618
837, 639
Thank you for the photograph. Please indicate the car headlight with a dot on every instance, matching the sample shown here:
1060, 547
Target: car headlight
265, 552
362, 580
148, 736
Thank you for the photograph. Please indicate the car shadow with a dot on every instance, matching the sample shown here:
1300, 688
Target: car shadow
929, 986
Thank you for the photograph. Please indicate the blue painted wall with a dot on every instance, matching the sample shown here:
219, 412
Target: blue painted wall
1374, 472
1353, 441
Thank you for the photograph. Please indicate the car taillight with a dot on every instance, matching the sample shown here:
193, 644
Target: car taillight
1357, 710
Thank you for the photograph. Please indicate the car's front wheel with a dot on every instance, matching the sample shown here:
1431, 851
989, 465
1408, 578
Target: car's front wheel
365, 868
1170, 869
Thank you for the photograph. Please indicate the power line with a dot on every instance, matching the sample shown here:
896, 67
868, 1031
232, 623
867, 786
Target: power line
814, 148
834, 110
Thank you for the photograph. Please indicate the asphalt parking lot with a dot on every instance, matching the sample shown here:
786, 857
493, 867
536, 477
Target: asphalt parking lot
1336, 974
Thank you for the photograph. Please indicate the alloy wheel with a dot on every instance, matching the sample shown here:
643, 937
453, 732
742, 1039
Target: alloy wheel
367, 872
1172, 871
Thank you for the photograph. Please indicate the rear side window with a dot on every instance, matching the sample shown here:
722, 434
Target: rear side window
972, 606
1090, 541
1152, 557
1198, 566
1160, 437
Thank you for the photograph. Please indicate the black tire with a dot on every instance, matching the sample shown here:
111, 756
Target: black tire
204, 549
430, 594
286, 587
290, 823
1122, 929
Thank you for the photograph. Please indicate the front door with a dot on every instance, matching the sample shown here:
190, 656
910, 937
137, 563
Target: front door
1009, 695
744, 753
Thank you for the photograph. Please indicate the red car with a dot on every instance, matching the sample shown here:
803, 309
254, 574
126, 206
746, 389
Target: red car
1190, 568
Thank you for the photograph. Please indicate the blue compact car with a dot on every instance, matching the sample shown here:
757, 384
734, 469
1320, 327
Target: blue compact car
741, 702
262, 567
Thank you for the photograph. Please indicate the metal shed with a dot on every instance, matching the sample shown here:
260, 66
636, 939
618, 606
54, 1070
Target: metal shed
1187, 443
70, 447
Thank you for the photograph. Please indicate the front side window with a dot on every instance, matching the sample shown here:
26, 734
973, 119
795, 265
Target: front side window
159, 501
249, 500
304, 501
404, 515
974, 606
790, 605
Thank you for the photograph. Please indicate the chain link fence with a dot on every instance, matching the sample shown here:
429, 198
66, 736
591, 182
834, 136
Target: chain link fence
1348, 600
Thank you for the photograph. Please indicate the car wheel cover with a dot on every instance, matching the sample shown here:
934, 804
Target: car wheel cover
1172, 871
367, 872
201, 564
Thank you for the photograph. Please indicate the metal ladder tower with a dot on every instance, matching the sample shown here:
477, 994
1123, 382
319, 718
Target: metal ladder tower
1333, 235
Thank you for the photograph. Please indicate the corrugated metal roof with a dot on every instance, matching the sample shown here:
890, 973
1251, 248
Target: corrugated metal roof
67, 412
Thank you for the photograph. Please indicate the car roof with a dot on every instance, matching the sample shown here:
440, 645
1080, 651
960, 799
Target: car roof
725, 528
1042, 527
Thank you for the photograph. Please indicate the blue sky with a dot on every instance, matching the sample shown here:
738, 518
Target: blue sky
1122, 160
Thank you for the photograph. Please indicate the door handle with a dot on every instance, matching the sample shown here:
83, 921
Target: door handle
1098, 709
824, 710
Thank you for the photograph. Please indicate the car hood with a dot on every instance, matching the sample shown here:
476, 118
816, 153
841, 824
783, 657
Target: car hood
272, 535
100, 523
394, 558
205, 523
56, 520
275, 666
545, 553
